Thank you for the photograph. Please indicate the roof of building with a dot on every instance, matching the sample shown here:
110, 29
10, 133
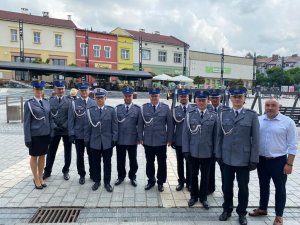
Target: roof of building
38, 20
157, 38
275, 59
97, 32
214, 57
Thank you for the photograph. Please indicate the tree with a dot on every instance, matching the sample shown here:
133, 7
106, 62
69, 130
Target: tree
238, 82
249, 55
199, 80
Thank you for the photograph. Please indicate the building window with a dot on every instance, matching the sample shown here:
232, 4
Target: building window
13, 35
107, 51
146, 54
59, 62
36, 37
83, 49
125, 54
162, 56
96, 51
58, 40
177, 57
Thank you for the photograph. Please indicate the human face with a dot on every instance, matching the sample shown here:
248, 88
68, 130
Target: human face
100, 100
237, 101
202, 103
272, 108
38, 93
59, 91
183, 99
128, 99
84, 93
154, 99
215, 101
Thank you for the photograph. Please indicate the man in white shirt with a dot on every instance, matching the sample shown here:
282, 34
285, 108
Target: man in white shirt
277, 150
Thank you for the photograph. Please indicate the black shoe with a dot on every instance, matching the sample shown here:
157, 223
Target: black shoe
108, 188
211, 192
149, 185
81, 180
95, 186
119, 181
189, 188
133, 182
66, 176
192, 202
224, 216
179, 187
205, 204
44, 185
160, 188
37, 187
242, 219
46, 175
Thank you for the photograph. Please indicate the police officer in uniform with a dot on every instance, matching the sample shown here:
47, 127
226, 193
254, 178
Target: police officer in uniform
37, 129
76, 121
199, 137
100, 136
179, 113
157, 133
59, 105
215, 106
238, 150
129, 135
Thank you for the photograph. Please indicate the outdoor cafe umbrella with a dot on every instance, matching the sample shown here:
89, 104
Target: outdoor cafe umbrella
162, 77
182, 79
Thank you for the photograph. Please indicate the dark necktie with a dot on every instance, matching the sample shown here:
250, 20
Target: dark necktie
184, 109
236, 113
127, 108
215, 109
59, 99
100, 111
201, 114
84, 101
154, 108
41, 102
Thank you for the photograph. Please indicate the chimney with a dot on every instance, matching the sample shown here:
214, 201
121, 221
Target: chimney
24, 10
142, 30
275, 57
156, 32
45, 14
69, 17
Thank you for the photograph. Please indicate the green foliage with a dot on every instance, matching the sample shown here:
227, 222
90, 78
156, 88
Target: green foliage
72, 64
199, 80
238, 82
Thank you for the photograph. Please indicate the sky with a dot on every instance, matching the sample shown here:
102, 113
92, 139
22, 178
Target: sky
239, 26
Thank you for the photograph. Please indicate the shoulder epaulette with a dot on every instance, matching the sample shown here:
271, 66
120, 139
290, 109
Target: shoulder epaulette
136, 105
251, 110
108, 106
225, 109
52, 97
192, 110
119, 105
146, 104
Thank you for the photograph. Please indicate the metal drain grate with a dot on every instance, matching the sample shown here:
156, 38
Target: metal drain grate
55, 215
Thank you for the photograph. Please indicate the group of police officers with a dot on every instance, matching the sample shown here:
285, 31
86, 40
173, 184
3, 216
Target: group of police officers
201, 134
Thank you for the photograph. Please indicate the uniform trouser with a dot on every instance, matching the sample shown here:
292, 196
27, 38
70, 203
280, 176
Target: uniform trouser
121, 161
203, 164
52, 153
180, 167
267, 169
242, 176
161, 153
79, 145
96, 156
212, 179
222, 176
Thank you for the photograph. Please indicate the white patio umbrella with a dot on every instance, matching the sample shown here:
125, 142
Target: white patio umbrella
163, 77
183, 79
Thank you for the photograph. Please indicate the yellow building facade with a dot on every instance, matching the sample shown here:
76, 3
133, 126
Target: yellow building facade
48, 39
125, 49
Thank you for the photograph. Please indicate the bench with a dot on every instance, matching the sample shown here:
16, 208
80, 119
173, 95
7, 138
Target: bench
293, 113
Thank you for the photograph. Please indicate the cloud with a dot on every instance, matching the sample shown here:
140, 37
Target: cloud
240, 26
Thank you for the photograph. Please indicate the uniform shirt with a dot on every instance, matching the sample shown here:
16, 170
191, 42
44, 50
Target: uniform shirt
278, 136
